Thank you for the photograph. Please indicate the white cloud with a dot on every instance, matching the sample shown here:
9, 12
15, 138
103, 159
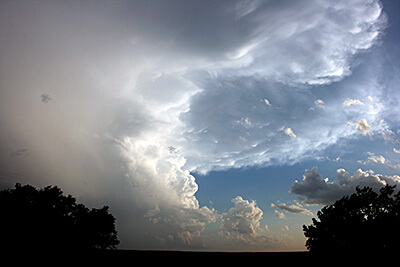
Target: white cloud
397, 151
313, 189
244, 218
379, 159
362, 126
376, 159
349, 102
319, 103
267, 102
360, 24
290, 132
242, 224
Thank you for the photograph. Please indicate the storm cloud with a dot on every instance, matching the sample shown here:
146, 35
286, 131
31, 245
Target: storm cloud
226, 84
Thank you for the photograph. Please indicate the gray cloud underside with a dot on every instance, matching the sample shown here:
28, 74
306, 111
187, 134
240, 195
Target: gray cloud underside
313, 189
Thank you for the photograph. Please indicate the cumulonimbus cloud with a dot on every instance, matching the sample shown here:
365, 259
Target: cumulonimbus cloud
216, 81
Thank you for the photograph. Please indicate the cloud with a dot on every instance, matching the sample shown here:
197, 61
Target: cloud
349, 102
379, 159
319, 103
19, 152
360, 24
241, 224
46, 98
243, 219
388, 136
296, 208
267, 102
285, 228
279, 214
290, 132
313, 189
137, 78
376, 159
167, 192
363, 126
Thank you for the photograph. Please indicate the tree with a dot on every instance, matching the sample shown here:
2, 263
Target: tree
365, 221
45, 219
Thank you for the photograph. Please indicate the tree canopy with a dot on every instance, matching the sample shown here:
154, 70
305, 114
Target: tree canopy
45, 219
364, 221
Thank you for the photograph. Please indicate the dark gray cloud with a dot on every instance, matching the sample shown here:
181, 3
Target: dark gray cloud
314, 189
19, 152
46, 98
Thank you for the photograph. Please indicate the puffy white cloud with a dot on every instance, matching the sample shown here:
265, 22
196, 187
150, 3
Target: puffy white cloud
244, 218
242, 224
349, 102
313, 189
290, 132
363, 126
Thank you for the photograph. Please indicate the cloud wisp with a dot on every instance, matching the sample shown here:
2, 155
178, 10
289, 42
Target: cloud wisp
296, 208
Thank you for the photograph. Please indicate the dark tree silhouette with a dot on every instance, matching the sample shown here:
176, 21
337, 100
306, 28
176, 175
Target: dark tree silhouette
363, 222
45, 219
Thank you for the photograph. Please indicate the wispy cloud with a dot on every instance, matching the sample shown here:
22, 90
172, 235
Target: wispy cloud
296, 208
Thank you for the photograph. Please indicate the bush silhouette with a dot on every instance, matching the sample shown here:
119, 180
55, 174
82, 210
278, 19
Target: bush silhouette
45, 219
365, 222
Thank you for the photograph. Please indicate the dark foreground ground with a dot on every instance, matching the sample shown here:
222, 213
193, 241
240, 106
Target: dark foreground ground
183, 258
199, 257
200, 254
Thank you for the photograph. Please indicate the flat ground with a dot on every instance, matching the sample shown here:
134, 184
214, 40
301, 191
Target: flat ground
199, 257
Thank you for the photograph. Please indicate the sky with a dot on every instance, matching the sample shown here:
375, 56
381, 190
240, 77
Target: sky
203, 125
